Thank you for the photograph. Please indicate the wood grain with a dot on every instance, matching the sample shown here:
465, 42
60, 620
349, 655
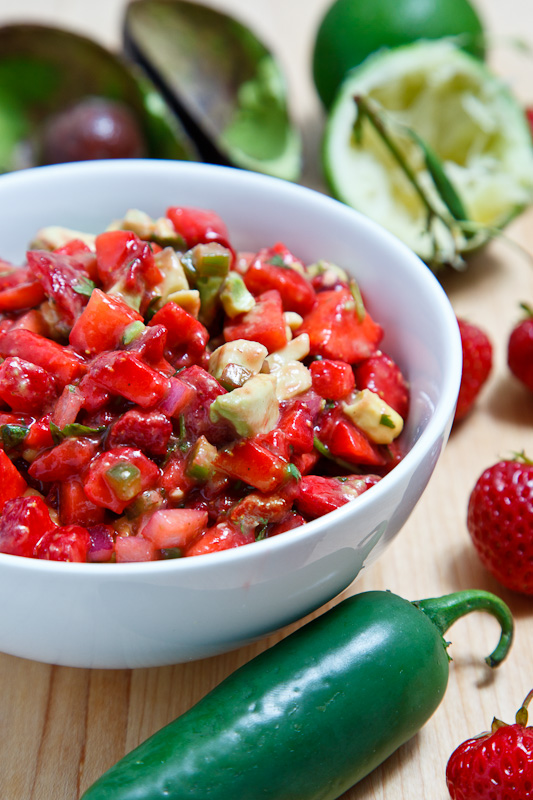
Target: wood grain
61, 728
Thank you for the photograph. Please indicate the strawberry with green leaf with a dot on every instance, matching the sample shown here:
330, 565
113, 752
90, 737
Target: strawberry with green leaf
497, 764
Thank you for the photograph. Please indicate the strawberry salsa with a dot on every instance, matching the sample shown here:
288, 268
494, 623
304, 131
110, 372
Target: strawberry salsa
162, 395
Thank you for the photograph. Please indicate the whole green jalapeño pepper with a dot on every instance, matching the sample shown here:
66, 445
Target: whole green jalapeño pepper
315, 713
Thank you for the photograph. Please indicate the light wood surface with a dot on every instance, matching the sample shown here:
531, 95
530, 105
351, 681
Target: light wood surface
61, 728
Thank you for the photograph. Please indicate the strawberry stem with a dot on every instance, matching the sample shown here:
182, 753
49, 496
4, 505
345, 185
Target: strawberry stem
444, 611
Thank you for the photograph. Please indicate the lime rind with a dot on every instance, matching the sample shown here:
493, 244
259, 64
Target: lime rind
466, 114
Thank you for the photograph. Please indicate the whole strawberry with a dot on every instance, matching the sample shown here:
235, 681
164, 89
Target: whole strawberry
500, 522
477, 364
520, 349
497, 765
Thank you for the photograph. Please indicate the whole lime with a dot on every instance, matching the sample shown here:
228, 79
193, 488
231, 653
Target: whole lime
353, 29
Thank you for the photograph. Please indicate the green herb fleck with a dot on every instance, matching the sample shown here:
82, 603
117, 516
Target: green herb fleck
325, 451
277, 261
13, 435
386, 420
170, 552
72, 429
261, 532
83, 286
293, 472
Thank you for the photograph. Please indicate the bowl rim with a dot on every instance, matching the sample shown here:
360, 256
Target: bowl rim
435, 429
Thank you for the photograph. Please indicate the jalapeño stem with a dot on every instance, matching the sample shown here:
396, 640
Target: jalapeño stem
444, 611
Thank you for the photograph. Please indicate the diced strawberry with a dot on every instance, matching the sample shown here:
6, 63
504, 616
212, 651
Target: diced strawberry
150, 345
223, 536
11, 275
198, 225
75, 506
66, 459
335, 330
39, 435
72, 247
31, 320
62, 362
186, 336
124, 373
67, 543
25, 386
291, 521
197, 420
258, 509
12, 484
332, 379
102, 324
24, 521
23, 295
174, 479
68, 406
252, 463
122, 256
382, 375
318, 495
61, 279
305, 462
148, 431
102, 547
106, 493
132, 549
265, 323
297, 423
174, 527
94, 397
272, 269
346, 441
277, 442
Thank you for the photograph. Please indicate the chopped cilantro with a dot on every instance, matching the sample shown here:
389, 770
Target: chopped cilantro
72, 429
277, 261
13, 435
83, 285
294, 472
386, 420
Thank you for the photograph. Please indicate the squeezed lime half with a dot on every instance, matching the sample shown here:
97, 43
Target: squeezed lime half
464, 113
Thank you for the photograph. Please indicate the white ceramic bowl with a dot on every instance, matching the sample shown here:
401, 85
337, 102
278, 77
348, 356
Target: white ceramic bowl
151, 614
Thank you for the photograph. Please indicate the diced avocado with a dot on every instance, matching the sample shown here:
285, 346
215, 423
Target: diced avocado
159, 230
133, 331
54, 236
331, 272
200, 460
235, 297
293, 320
252, 409
189, 299
132, 299
295, 350
291, 379
206, 260
209, 289
242, 353
174, 278
374, 416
